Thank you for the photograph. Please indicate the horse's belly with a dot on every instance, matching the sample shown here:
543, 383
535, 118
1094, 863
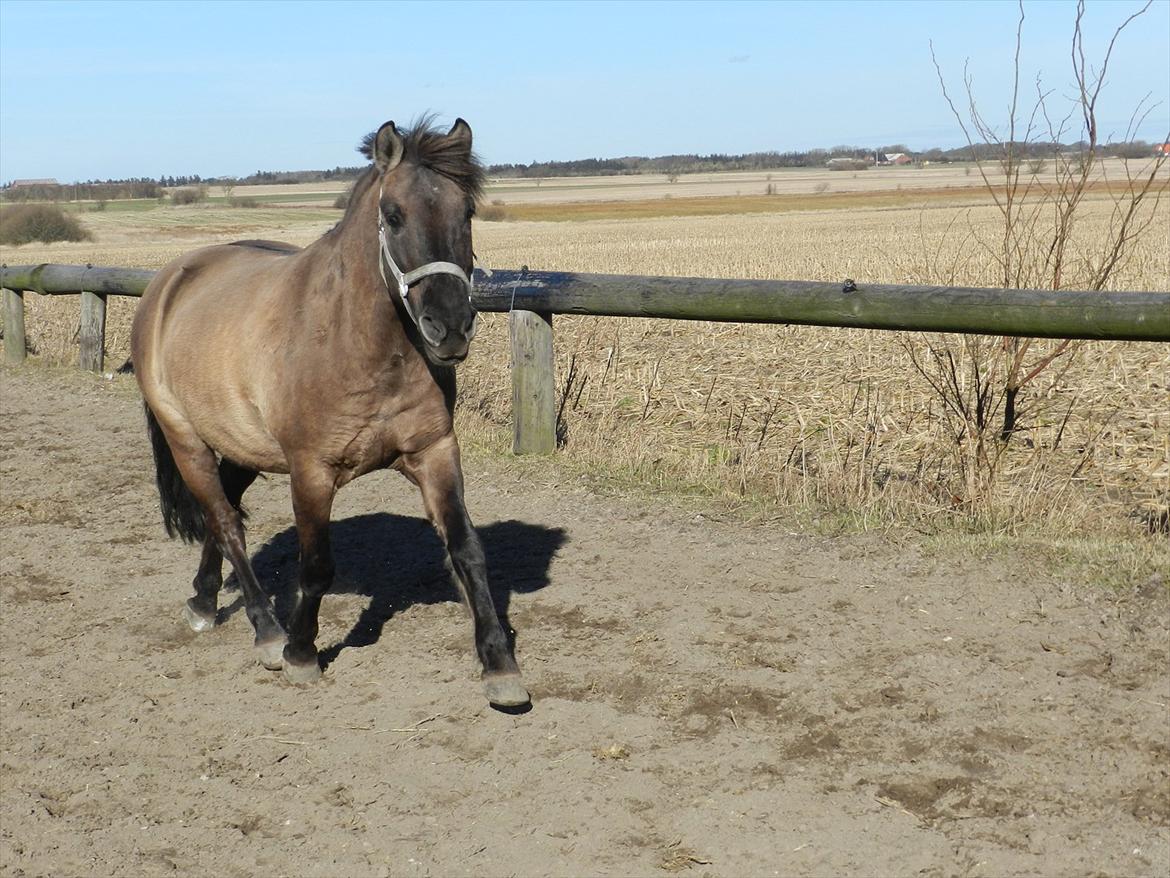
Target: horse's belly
234, 429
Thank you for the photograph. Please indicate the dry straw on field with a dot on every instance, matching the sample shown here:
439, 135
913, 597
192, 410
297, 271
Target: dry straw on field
831, 423
835, 419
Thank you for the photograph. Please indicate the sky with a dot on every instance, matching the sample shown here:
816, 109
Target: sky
97, 90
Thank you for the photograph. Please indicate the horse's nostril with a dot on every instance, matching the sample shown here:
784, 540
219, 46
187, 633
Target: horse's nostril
433, 330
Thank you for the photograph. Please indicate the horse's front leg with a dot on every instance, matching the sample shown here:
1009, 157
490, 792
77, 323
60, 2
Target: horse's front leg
313, 490
438, 474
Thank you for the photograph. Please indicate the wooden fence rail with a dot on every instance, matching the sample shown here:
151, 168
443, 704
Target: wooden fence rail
532, 297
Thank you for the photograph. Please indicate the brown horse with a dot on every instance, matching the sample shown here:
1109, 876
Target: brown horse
325, 363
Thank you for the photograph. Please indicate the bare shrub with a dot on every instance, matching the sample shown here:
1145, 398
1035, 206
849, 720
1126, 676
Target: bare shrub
821, 187
341, 202
495, 212
39, 222
1036, 247
244, 201
189, 195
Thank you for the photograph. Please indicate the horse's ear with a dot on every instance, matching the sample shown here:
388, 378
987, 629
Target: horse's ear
460, 134
388, 148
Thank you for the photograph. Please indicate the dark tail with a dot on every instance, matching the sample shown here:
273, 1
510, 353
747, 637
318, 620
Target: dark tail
182, 515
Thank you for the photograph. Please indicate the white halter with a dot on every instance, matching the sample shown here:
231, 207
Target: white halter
409, 278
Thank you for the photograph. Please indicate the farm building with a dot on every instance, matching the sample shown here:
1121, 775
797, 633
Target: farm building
847, 164
22, 184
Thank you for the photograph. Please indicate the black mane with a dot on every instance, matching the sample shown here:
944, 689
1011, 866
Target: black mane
428, 147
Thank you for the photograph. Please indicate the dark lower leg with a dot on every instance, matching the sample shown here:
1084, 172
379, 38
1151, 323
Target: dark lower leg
235, 480
208, 580
467, 558
228, 530
316, 575
439, 476
312, 490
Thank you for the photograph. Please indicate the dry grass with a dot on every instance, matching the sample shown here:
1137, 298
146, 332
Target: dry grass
721, 205
826, 424
830, 420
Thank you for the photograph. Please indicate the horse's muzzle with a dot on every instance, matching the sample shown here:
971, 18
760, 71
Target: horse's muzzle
443, 344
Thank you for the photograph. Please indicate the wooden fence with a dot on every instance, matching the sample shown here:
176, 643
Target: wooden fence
532, 297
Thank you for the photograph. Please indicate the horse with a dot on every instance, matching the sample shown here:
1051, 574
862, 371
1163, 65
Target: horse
325, 363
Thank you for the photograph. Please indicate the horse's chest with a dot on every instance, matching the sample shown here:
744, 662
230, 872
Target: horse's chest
362, 448
376, 439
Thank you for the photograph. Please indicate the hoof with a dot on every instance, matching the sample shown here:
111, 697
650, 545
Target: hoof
300, 674
505, 690
271, 654
198, 622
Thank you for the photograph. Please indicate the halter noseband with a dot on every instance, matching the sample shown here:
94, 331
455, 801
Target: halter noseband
407, 279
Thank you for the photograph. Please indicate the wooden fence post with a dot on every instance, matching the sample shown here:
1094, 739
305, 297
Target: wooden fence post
14, 344
93, 331
533, 395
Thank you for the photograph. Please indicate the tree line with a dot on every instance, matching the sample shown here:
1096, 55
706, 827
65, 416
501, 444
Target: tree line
813, 158
109, 190
146, 187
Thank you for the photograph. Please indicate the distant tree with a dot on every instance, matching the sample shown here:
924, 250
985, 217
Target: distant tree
1134, 149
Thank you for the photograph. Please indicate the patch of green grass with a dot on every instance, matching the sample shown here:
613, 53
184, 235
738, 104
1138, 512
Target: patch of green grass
295, 197
128, 205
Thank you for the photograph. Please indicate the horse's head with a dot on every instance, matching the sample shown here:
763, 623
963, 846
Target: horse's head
428, 184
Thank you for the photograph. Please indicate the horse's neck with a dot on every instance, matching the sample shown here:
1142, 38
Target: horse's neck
354, 299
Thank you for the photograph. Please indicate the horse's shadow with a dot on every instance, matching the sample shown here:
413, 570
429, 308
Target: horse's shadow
398, 561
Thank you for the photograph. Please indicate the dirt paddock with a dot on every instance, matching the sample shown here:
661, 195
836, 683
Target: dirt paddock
710, 698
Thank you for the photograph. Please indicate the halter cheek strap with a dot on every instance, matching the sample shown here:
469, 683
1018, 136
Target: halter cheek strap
405, 280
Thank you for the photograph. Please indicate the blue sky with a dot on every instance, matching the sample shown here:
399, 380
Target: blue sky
102, 89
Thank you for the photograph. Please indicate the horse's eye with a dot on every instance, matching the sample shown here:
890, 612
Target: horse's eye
393, 218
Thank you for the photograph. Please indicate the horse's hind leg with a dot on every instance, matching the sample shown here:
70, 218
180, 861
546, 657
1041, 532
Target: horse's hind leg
197, 465
200, 610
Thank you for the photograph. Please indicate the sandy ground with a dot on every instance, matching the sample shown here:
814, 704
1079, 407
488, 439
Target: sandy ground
710, 698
